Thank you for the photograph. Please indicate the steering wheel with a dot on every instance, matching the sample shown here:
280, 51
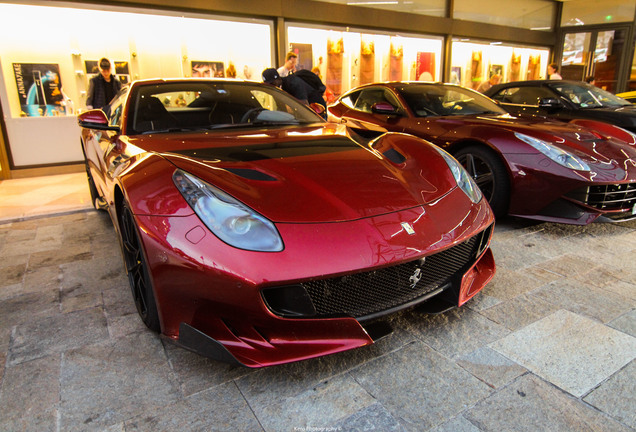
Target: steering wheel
251, 114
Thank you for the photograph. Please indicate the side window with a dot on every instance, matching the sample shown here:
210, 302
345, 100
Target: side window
523, 95
350, 99
371, 96
506, 94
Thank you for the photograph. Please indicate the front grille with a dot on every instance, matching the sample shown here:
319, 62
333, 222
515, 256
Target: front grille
612, 198
362, 295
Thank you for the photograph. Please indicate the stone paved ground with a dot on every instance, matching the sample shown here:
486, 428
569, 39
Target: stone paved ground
550, 344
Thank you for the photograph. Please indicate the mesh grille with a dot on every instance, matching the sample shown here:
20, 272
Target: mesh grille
368, 293
613, 197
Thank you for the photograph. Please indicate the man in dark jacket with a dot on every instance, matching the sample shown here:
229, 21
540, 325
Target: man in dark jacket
304, 85
103, 87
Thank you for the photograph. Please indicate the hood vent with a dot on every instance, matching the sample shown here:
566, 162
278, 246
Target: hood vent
250, 174
394, 156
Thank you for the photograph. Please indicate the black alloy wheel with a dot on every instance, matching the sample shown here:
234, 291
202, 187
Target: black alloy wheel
137, 270
485, 167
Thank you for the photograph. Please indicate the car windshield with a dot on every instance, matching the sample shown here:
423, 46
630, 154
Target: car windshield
446, 100
588, 96
200, 105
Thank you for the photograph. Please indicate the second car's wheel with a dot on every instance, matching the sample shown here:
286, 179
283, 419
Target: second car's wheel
485, 167
137, 270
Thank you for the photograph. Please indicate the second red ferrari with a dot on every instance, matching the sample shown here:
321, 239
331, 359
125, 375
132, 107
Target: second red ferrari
575, 172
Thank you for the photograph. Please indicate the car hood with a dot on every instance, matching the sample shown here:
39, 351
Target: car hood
314, 174
582, 141
624, 116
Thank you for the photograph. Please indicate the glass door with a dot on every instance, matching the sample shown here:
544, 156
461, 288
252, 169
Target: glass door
595, 53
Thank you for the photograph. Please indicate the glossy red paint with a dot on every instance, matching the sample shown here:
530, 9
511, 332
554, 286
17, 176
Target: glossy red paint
539, 186
340, 203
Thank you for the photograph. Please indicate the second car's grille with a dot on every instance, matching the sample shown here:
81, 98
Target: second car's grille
362, 295
613, 197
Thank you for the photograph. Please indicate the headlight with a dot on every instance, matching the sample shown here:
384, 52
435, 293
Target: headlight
228, 219
462, 178
558, 155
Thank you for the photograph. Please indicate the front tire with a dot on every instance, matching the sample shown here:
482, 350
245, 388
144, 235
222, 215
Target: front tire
137, 270
485, 167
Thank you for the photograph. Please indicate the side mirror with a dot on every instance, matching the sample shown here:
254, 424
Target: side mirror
318, 108
549, 103
95, 119
383, 108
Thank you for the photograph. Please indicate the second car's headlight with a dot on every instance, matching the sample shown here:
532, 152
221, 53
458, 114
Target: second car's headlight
227, 218
462, 178
558, 155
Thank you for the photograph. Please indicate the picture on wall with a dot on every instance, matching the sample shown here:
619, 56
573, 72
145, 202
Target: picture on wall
39, 89
122, 71
305, 55
495, 70
208, 69
425, 66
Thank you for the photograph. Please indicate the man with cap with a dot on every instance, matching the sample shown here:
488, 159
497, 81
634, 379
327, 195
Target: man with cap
304, 85
103, 87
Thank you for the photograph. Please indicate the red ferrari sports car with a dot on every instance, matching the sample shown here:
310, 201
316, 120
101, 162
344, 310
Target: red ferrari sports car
254, 232
575, 172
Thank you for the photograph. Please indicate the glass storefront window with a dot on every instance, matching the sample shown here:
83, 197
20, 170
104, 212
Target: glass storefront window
472, 63
422, 7
528, 14
347, 59
585, 12
44, 74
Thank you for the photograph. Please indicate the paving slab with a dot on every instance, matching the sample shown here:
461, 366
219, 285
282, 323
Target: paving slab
584, 299
422, 393
530, 405
370, 419
573, 352
317, 408
625, 323
520, 311
617, 396
29, 395
107, 383
491, 367
220, 409
458, 331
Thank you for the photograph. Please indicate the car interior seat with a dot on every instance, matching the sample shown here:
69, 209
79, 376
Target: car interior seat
152, 115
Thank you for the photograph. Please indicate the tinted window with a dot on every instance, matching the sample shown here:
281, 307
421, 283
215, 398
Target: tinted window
523, 95
446, 100
588, 96
371, 96
195, 105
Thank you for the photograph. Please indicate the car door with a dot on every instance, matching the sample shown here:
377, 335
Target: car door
357, 110
100, 146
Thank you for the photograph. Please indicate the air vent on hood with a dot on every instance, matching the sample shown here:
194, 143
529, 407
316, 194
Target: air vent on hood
251, 174
394, 156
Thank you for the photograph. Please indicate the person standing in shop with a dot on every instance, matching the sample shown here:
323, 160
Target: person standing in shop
290, 64
103, 87
494, 80
553, 73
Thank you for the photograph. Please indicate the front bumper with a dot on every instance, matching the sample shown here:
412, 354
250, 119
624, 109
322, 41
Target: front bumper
210, 296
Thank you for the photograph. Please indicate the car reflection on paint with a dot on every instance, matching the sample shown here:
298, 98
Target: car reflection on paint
536, 168
255, 233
